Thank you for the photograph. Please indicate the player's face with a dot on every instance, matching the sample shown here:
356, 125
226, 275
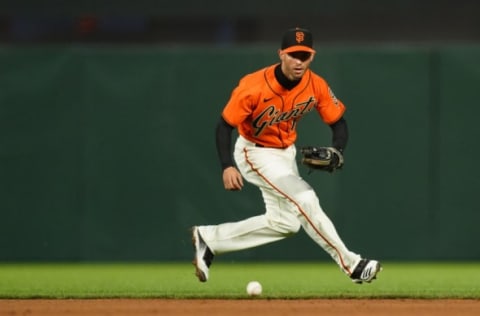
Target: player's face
295, 64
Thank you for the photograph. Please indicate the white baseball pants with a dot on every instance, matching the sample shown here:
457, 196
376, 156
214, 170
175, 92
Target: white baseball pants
290, 203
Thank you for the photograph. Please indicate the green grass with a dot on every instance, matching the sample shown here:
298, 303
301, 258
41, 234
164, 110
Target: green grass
228, 280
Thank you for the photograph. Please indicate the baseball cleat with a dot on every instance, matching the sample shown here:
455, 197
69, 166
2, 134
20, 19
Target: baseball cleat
203, 256
366, 271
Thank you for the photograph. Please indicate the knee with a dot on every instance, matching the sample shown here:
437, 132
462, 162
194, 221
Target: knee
307, 200
287, 225
293, 227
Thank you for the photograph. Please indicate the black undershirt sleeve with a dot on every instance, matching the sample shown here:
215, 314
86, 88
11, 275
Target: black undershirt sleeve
223, 135
339, 134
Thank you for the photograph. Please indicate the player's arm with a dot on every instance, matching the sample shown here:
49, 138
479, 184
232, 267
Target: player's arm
223, 136
232, 179
339, 134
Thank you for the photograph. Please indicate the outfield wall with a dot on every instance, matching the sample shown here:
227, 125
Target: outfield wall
107, 153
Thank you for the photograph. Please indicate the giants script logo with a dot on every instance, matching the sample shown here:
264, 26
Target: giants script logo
271, 115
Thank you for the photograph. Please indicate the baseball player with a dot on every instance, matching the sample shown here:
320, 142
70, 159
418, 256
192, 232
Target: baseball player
265, 108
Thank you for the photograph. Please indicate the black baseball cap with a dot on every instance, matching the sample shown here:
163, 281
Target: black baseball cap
297, 40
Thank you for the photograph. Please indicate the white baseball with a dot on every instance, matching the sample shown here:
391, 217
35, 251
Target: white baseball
254, 288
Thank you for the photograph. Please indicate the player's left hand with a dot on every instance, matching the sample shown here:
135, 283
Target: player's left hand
232, 179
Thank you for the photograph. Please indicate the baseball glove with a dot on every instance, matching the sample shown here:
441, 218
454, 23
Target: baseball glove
322, 158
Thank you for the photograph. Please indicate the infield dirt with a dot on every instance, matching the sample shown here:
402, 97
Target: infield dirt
250, 307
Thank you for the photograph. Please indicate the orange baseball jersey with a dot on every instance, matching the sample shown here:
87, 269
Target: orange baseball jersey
266, 113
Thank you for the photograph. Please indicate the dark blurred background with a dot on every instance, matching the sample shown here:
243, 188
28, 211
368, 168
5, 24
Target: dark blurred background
248, 21
108, 111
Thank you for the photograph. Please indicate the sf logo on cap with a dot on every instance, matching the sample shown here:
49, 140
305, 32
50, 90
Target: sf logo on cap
299, 36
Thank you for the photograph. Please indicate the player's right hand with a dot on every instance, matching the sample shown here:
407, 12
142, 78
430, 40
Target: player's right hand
232, 179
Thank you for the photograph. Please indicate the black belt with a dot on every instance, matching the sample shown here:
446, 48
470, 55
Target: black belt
262, 146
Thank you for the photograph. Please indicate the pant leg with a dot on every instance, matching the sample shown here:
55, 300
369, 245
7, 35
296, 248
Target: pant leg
251, 232
321, 229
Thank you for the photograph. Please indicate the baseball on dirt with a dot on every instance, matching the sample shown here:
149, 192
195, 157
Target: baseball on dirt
254, 288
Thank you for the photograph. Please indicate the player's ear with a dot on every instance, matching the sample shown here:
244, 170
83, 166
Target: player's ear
280, 53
